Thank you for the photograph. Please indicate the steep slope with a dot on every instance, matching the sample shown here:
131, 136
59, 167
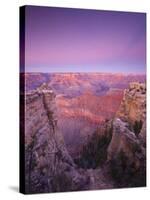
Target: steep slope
79, 117
126, 153
49, 167
124, 140
115, 155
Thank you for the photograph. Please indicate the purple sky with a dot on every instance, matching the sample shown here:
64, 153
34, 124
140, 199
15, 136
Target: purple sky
80, 40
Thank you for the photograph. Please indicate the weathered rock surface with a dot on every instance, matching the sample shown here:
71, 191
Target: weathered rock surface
126, 152
133, 107
124, 140
48, 166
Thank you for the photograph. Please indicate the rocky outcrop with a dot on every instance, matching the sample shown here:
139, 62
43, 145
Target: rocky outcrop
124, 140
126, 153
130, 117
119, 143
48, 166
126, 157
133, 108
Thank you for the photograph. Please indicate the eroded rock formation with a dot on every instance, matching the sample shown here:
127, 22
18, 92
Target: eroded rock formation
48, 166
126, 152
133, 108
124, 140
121, 143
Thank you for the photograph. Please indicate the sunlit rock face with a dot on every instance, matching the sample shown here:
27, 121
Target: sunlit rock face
133, 107
126, 152
48, 166
130, 122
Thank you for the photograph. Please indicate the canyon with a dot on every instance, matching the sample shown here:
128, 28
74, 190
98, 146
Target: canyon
79, 126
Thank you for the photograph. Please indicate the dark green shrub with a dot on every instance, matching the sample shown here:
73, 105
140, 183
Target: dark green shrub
137, 127
94, 153
118, 166
125, 174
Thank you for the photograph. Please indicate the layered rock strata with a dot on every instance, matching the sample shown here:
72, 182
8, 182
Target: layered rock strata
48, 166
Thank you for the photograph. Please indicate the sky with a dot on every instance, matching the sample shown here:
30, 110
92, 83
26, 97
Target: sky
81, 40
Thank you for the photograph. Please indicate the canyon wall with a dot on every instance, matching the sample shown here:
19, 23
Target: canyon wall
127, 150
48, 166
120, 142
